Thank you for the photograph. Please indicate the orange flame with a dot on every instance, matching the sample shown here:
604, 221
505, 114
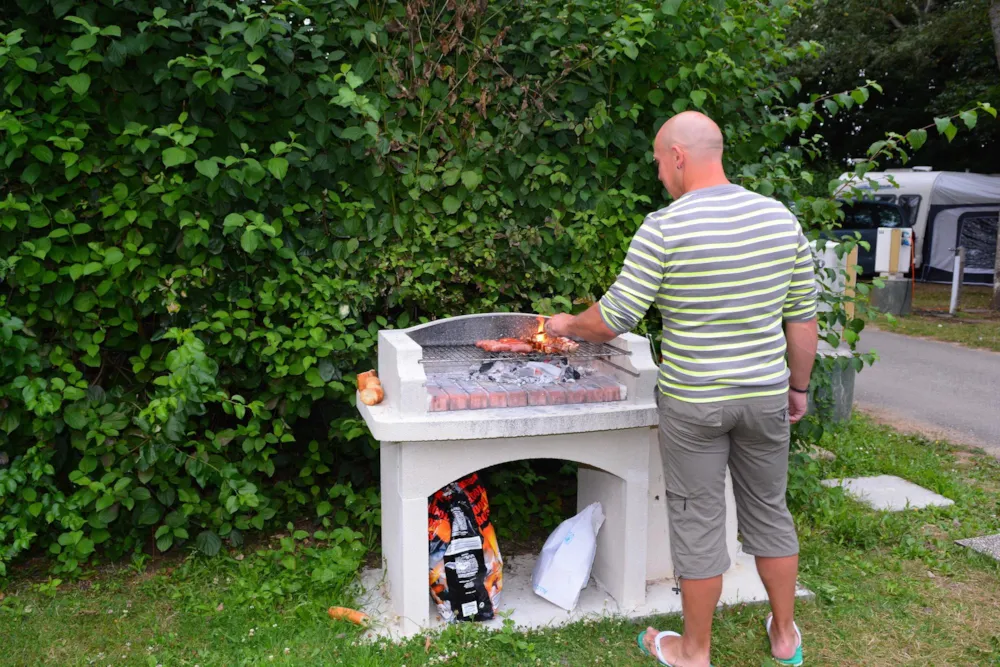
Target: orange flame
540, 336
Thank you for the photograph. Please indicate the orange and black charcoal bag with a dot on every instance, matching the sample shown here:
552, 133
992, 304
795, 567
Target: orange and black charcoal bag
466, 572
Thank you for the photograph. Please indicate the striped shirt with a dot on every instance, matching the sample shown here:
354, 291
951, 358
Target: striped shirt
726, 267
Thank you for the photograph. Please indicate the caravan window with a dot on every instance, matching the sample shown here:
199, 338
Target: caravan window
871, 215
909, 204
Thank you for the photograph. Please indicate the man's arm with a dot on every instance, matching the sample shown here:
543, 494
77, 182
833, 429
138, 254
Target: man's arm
801, 330
588, 325
803, 340
625, 303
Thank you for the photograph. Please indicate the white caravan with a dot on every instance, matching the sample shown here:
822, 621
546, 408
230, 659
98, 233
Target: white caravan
946, 209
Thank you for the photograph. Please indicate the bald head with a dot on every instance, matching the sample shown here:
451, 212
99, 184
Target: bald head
688, 153
694, 132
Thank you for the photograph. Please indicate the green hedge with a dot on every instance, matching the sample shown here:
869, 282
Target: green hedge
210, 208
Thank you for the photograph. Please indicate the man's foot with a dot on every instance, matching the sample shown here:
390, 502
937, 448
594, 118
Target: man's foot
674, 650
784, 640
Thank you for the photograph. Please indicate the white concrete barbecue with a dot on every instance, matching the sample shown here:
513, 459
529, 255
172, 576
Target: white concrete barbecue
615, 441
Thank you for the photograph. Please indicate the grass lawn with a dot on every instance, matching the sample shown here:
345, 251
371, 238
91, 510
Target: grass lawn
975, 325
891, 589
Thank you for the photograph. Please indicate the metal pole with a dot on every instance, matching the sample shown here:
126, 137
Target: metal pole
957, 277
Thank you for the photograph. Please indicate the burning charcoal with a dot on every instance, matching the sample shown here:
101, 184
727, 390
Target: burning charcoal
486, 366
571, 374
542, 368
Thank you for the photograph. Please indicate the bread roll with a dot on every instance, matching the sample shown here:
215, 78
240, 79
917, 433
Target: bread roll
372, 395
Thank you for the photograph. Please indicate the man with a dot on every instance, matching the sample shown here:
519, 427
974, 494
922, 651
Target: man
732, 275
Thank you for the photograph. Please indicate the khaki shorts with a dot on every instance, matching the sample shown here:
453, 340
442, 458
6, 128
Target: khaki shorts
698, 441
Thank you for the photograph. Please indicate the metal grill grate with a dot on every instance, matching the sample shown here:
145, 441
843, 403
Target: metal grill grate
447, 354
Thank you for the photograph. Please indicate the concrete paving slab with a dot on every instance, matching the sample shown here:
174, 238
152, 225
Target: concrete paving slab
986, 544
528, 611
887, 492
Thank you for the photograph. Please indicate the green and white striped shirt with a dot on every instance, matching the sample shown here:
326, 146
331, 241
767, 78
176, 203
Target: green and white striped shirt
725, 266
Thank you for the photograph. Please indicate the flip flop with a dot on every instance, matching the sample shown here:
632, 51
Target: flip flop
656, 643
795, 660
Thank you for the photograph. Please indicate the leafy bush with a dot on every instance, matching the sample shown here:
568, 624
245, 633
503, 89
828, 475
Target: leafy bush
210, 209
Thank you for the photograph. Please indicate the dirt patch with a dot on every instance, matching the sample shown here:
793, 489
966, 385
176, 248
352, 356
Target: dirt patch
911, 426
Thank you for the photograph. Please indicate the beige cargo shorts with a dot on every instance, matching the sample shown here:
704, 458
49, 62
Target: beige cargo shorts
698, 441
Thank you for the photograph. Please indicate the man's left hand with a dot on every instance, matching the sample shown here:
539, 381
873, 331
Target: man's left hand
559, 325
798, 404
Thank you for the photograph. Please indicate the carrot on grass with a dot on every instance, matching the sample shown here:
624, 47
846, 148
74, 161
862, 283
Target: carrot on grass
346, 614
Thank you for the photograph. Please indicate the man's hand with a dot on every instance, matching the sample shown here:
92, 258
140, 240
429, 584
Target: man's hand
559, 325
798, 405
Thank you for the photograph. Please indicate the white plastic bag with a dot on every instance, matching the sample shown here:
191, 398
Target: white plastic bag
563, 568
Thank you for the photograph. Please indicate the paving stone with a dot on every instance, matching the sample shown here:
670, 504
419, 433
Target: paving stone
986, 544
887, 492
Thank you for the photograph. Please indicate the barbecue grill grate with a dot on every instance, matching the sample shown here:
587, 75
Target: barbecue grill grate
448, 354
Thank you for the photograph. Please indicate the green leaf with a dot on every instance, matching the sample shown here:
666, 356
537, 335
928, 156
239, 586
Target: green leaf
31, 173
233, 221
671, 7
471, 179
969, 118
207, 168
950, 131
257, 31
916, 138
250, 240
43, 153
313, 378
111, 31
860, 95
83, 42
80, 83
27, 64
323, 508
75, 416
65, 290
165, 541
88, 464
149, 514
174, 156
85, 547
831, 107
208, 543
201, 77
353, 133
85, 301
698, 97
451, 176
113, 256
451, 204
278, 166
655, 97
942, 124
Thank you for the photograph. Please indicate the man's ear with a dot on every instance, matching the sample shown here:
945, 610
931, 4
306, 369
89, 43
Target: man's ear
678, 155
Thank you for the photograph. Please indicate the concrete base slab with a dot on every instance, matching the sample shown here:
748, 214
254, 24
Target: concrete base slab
986, 544
887, 492
741, 585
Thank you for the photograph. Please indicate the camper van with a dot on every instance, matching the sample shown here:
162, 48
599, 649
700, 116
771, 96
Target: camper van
946, 210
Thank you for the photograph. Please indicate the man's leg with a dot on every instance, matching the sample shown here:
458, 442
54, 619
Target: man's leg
758, 461
779, 576
695, 446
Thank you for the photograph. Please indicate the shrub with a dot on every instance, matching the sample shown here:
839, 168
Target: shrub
210, 208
